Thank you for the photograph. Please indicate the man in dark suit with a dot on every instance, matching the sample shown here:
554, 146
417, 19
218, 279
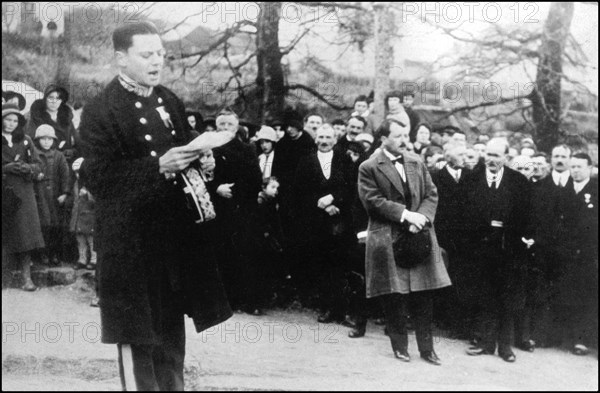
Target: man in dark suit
238, 181
354, 126
549, 247
323, 200
395, 188
454, 306
578, 275
498, 200
155, 263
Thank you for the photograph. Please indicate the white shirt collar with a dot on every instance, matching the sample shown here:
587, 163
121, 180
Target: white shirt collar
326, 156
578, 186
560, 178
491, 176
389, 155
453, 172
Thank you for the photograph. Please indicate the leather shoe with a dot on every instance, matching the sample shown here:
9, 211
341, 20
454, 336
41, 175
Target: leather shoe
356, 333
580, 350
508, 357
431, 357
527, 346
402, 355
328, 317
477, 351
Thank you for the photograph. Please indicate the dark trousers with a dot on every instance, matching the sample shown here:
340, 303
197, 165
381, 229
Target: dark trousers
159, 366
396, 307
497, 328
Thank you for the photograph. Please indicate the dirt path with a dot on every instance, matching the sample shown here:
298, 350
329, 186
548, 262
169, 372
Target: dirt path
51, 342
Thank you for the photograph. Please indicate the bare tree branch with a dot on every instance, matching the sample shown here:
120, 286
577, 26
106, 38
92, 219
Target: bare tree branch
502, 100
318, 95
295, 41
226, 35
326, 4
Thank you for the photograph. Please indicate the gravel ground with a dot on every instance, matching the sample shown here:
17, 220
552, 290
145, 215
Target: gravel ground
51, 342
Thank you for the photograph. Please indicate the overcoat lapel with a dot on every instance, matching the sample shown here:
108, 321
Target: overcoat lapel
389, 170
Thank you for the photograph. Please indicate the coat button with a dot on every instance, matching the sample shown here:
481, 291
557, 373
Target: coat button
138, 105
159, 100
173, 133
143, 120
153, 153
148, 137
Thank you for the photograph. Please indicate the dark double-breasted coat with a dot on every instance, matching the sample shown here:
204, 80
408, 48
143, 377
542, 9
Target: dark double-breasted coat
145, 233
382, 194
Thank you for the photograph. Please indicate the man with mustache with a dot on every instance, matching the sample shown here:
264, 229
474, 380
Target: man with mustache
155, 263
549, 242
323, 198
497, 219
396, 189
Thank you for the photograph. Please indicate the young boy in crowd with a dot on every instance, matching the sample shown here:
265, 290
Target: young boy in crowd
52, 189
270, 232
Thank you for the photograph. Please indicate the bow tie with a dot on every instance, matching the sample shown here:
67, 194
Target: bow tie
399, 159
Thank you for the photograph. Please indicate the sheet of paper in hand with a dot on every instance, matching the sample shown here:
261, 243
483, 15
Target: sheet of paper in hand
210, 140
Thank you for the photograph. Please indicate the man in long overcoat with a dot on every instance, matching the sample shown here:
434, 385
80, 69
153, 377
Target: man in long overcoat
154, 262
396, 190
577, 283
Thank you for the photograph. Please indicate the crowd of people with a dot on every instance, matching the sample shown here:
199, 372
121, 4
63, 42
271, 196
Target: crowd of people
282, 206
44, 214
280, 241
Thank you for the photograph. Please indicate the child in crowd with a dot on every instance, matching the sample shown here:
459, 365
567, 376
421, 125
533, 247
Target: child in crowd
271, 234
52, 189
82, 221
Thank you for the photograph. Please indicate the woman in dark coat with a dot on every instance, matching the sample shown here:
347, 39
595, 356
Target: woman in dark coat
53, 110
21, 232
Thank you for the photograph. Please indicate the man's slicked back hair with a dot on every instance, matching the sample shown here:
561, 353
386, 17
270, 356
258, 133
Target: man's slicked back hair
123, 35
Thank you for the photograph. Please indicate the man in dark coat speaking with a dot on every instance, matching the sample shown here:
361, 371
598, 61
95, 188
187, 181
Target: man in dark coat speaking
154, 262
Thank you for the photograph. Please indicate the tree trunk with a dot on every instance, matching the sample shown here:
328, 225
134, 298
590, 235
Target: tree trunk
384, 55
269, 80
65, 62
546, 96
